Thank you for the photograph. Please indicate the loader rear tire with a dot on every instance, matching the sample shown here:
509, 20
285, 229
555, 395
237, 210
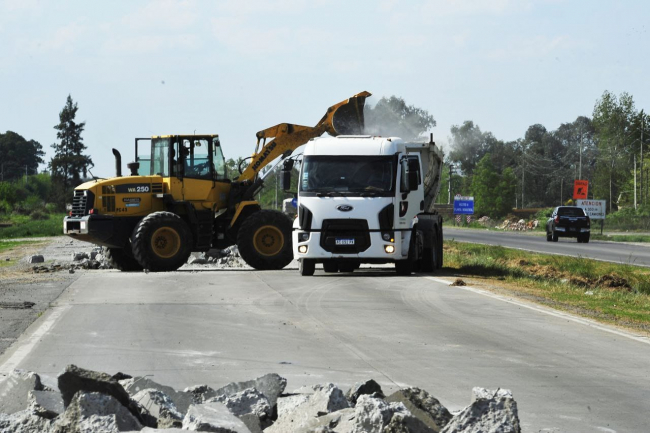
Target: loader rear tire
121, 259
264, 240
162, 242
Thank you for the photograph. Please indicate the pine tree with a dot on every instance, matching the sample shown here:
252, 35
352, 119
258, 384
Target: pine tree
69, 162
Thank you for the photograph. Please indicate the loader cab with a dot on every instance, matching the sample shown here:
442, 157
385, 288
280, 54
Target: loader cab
192, 157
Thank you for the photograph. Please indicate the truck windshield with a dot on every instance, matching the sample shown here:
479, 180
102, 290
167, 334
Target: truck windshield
348, 175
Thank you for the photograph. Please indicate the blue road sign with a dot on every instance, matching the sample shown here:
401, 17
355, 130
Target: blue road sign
464, 206
294, 202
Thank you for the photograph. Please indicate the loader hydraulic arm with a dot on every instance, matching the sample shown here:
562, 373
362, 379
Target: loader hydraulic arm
343, 118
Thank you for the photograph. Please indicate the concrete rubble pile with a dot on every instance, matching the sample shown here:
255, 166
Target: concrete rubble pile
84, 401
515, 224
226, 258
93, 259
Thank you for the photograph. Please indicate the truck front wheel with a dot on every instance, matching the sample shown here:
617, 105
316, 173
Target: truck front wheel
307, 267
264, 240
162, 242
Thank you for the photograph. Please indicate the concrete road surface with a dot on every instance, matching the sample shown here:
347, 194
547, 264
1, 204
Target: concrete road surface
186, 328
617, 252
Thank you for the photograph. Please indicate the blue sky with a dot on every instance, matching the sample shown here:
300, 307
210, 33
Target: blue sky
141, 68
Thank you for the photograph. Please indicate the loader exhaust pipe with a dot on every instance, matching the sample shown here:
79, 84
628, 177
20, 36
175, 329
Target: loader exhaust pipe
118, 163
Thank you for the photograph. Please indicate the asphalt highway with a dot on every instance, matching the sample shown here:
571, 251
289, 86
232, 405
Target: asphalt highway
185, 328
617, 252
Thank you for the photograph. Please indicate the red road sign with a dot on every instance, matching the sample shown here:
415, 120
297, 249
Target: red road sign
580, 188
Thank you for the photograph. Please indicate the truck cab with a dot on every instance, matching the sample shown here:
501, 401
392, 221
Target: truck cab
361, 199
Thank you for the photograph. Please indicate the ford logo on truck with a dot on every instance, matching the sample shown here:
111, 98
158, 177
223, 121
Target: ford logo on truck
344, 208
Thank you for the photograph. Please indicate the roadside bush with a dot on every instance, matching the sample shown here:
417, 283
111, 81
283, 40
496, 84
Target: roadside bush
39, 215
5, 207
8, 193
543, 214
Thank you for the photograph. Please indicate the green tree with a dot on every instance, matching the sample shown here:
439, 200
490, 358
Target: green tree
494, 192
392, 117
19, 156
69, 163
613, 121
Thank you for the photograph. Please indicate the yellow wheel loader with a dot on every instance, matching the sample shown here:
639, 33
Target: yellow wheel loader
179, 198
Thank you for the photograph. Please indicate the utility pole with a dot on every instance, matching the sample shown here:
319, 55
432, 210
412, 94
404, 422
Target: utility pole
450, 173
641, 160
580, 171
561, 191
523, 170
634, 182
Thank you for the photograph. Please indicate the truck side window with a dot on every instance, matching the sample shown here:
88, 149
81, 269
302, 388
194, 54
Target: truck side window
414, 165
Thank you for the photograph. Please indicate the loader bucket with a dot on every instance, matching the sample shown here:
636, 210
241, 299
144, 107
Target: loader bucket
346, 118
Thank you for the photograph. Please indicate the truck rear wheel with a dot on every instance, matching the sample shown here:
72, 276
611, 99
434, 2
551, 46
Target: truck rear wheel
122, 259
162, 242
264, 240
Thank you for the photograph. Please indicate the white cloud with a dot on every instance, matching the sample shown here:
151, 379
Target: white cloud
165, 15
537, 47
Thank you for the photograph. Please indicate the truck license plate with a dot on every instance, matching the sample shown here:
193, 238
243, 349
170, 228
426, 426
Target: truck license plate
341, 241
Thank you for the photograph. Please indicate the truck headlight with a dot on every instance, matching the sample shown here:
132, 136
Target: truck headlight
302, 249
388, 236
303, 237
390, 249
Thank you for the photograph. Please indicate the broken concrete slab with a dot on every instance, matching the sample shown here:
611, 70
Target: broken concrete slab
160, 406
199, 392
213, 417
423, 406
272, 385
372, 414
47, 404
182, 400
249, 401
496, 414
404, 423
298, 411
24, 421
14, 391
95, 411
75, 379
36, 259
79, 256
368, 387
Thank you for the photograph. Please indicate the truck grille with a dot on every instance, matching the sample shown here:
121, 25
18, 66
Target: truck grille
82, 202
334, 229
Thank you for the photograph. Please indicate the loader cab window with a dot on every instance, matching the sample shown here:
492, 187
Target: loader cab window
197, 162
219, 161
160, 157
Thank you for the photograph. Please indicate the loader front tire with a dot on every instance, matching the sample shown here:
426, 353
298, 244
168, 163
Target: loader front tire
264, 240
121, 259
162, 242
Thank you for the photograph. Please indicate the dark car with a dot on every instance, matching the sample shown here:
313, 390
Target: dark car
568, 222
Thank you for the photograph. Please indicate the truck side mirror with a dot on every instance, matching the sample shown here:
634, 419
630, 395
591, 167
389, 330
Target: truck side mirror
287, 166
405, 183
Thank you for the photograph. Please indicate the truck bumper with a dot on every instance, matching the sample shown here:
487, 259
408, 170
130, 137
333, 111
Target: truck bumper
103, 230
375, 253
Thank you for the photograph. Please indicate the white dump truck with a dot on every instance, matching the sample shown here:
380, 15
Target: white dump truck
365, 199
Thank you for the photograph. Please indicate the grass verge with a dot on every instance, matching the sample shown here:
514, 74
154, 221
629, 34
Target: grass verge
24, 227
621, 238
613, 293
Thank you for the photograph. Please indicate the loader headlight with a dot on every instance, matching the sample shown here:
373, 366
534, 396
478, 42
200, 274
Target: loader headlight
390, 249
303, 237
302, 249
